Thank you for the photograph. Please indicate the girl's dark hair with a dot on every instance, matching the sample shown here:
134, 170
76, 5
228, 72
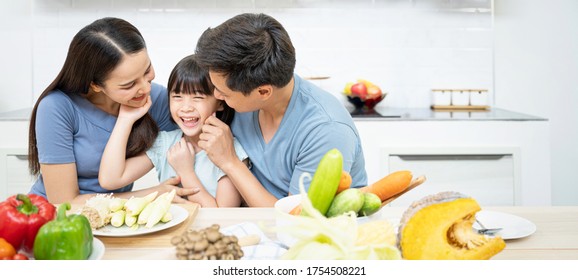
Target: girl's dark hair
94, 52
188, 77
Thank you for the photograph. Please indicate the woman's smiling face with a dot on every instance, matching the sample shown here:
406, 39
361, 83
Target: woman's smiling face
190, 110
130, 82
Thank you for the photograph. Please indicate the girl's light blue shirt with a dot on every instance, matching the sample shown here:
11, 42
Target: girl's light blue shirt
207, 172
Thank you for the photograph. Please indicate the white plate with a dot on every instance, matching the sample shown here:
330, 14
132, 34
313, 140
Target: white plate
97, 250
513, 227
180, 214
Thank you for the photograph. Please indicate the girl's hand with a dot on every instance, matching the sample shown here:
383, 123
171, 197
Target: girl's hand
181, 157
134, 113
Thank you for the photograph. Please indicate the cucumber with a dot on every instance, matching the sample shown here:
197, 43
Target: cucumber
371, 204
326, 180
345, 201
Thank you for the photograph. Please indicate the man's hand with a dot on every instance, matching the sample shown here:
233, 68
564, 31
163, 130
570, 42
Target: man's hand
217, 141
173, 183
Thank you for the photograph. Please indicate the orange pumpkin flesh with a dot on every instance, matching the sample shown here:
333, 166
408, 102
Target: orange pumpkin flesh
439, 227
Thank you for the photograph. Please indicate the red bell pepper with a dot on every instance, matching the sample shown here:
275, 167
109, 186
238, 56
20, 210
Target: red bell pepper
21, 216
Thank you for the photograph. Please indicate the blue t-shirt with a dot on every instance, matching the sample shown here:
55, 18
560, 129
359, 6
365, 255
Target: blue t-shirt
314, 123
207, 172
71, 129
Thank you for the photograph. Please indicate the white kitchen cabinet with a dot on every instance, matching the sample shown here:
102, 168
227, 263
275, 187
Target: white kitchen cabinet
525, 146
14, 176
490, 175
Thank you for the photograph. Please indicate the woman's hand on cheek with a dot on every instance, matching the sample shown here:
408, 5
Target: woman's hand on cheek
134, 113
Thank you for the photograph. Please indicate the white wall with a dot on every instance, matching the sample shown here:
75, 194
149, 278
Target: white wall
405, 46
536, 72
15, 55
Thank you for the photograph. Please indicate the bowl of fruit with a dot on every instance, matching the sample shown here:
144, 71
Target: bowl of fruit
363, 94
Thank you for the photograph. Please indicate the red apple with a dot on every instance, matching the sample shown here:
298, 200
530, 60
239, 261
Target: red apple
359, 90
373, 92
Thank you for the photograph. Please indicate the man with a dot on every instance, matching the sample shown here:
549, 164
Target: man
286, 124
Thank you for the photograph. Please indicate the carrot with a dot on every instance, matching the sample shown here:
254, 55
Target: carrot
390, 185
344, 182
296, 210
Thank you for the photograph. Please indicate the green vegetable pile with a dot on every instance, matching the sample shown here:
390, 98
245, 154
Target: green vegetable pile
322, 238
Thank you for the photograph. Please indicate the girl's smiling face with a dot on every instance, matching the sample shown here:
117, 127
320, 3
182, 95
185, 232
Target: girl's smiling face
190, 110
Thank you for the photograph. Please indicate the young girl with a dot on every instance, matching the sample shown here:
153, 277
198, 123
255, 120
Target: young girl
176, 152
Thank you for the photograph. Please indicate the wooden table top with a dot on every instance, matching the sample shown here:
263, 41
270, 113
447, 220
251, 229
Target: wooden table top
556, 236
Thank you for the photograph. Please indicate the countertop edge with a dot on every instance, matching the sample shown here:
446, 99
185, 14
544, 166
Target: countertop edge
382, 114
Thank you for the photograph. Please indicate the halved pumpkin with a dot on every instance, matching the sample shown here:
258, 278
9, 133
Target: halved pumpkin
439, 227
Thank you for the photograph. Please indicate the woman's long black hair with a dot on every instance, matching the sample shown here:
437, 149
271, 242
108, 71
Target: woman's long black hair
94, 52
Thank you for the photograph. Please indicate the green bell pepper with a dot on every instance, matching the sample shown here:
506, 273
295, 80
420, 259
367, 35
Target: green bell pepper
64, 238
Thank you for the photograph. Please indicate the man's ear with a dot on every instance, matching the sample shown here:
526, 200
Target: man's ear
265, 91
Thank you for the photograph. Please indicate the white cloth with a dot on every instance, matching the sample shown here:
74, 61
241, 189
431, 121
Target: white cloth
267, 249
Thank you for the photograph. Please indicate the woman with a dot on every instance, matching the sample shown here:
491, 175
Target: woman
107, 66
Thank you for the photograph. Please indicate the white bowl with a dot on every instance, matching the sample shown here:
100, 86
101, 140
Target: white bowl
282, 217
282, 208
287, 204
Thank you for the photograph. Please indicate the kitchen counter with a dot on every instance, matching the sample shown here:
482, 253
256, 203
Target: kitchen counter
427, 114
381, 114
16, 115
556, 236
395, 131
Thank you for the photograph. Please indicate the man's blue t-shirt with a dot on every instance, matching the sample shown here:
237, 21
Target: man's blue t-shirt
71, 129
314, 123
